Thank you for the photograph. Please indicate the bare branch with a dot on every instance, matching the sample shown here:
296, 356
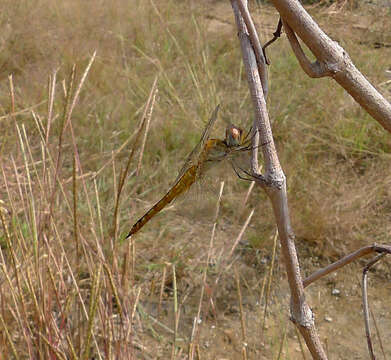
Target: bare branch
335, 59
261, 122
261, 62
346, 260
274, 183
332, 61
313, 70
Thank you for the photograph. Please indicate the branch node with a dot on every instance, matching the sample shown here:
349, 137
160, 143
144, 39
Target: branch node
269, 181
339, 64
304, 318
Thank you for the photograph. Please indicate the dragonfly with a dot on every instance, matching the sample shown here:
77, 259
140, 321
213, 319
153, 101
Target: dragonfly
204, 155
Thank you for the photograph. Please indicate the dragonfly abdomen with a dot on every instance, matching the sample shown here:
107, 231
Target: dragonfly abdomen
182, 185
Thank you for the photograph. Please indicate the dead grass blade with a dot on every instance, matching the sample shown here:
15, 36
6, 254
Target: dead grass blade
270, 278
162, 286
195, 333
176, 313
12, 93
147, 115
282, 342
52, 92
379, 338
239, 237
94, 298
125, 172
9, 338
242, 316
114, 289
56, 351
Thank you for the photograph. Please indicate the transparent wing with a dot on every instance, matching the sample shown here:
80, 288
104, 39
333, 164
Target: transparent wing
192, 159
187, 176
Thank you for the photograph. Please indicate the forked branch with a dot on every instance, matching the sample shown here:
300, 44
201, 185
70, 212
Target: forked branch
381, 250
313, 70
332, 60
274, 183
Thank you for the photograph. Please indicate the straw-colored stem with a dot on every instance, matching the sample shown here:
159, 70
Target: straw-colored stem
242, 319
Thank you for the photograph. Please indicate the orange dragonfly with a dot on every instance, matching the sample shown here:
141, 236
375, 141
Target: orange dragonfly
206, 153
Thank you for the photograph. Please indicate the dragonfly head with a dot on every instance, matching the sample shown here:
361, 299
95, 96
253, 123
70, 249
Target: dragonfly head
233, 136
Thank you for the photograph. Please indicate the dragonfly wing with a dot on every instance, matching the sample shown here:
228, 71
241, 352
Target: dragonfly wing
187, 175
192, 159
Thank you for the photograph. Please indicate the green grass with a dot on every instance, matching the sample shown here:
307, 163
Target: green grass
70, 288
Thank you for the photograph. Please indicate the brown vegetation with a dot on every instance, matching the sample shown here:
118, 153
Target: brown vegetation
64, 293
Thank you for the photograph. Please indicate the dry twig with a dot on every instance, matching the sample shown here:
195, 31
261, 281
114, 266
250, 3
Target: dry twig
365, 302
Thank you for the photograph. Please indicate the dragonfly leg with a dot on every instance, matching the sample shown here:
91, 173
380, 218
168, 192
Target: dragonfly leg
237, 170
246, 138
259, 178
250, 147
246, 144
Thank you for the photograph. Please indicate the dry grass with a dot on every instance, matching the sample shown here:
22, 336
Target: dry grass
69, 288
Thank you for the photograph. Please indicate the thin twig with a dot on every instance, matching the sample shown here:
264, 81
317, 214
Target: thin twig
276, 35
365, 302
346, 260
313, 70
378, 334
